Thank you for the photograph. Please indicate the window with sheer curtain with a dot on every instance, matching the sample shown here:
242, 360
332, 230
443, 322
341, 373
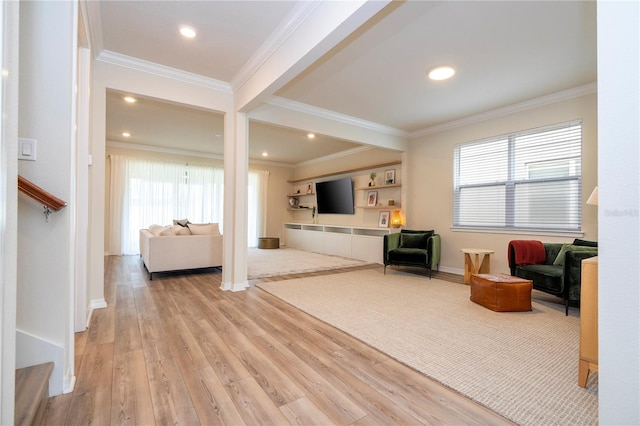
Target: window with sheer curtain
524, 181
145, 192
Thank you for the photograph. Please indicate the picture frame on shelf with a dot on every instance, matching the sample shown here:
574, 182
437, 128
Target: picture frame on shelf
383, 221
390, 177
372, 198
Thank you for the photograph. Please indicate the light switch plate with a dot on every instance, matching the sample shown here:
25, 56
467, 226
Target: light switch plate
27, 149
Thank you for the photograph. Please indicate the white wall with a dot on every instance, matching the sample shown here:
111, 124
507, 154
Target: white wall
619, 207
48, 39
430, 179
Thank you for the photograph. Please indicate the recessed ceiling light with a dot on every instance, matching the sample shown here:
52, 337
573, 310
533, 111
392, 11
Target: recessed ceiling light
441, 73
130, 99
126, 134
187, 31
265, 154
311, 135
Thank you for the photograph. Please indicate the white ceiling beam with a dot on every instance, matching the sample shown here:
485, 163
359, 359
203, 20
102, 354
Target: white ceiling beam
325, 25
294, 115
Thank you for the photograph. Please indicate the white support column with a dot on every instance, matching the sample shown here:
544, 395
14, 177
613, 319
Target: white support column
236, 167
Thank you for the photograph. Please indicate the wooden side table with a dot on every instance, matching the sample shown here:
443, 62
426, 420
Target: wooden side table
473, 264
588, 320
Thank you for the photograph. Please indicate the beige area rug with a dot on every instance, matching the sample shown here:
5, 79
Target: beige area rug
523, 365
264, 263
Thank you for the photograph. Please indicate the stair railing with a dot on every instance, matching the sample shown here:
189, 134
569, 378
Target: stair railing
49, 201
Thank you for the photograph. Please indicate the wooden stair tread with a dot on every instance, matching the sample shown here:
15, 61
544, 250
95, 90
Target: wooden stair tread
32, 392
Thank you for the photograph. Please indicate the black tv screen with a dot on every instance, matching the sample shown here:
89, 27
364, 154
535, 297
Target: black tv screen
335, 196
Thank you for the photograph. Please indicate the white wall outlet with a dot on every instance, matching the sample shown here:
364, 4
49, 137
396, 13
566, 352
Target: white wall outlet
27, 149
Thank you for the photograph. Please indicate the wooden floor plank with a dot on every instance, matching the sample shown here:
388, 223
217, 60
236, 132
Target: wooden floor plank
333, 403
131, 396
154, 340
102, 327
91, 401
271, 379
227, 366
304, 412
255, 407
210, 398
171, 402
178, 350
58, 409
184, 347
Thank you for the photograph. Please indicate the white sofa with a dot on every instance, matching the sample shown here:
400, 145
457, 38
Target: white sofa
166, 251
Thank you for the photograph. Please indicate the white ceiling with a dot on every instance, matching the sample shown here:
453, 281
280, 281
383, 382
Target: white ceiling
504, 53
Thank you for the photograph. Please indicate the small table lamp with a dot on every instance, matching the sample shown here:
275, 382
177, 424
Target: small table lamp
396, 219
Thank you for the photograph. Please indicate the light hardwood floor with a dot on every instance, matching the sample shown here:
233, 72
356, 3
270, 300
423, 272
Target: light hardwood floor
177, 350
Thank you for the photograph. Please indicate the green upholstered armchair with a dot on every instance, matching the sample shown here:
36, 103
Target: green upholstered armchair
412, 248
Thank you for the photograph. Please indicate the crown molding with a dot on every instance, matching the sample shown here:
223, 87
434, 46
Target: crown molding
199, 154
276, 39
335, 155
114, 58
334, 116
563, 95
164, 150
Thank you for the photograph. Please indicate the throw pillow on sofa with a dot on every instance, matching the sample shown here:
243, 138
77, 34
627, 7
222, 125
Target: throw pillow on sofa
566, 247
180, 230
204, 228
156, 229
181, 222
167, 231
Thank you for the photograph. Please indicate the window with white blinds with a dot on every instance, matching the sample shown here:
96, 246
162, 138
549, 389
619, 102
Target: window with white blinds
530, 180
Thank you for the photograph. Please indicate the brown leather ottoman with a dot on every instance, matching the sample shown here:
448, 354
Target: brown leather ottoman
501, 292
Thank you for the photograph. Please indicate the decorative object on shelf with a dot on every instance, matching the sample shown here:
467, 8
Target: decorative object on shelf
310, 188
396, 219
383, 222
390, 177
313, 214
372, 198
392, 202
294, 202
372, 176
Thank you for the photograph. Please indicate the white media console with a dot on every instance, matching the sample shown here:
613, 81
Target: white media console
346, 241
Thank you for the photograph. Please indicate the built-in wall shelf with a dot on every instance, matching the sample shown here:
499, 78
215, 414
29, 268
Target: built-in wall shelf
300, 194
373, 188
342, 172
380, 207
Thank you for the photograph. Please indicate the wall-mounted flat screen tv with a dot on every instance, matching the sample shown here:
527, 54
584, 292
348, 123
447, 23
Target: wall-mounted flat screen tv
335, 196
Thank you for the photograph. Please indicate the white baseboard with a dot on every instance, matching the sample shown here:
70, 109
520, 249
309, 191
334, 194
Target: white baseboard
95, 304
240, 286
69, 382
98, 304
456, 271
33, 350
